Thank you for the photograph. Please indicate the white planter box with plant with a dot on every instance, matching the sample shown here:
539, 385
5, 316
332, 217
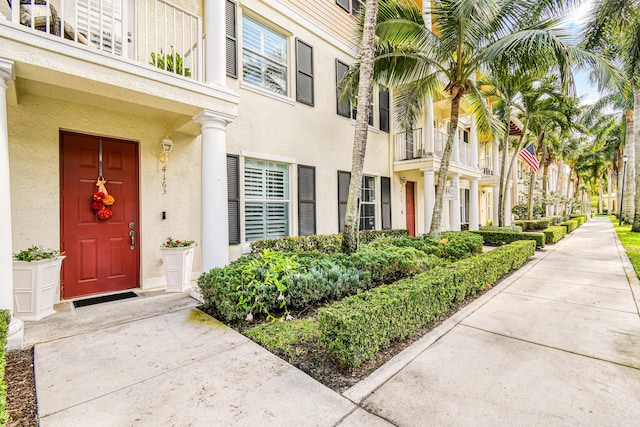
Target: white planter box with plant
177, 258
36, 277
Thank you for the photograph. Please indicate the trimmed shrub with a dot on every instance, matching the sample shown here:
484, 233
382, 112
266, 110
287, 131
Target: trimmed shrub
532, 225
356, 328
570, 225
424, 244
4, 325
386, 265
328, 243
460, 244
581, 218
554, 234
503, 237
554, 220
510, 228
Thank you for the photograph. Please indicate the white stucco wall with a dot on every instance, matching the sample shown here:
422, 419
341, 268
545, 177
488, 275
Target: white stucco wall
34, 150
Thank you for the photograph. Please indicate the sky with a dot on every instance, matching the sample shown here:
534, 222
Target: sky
587, 90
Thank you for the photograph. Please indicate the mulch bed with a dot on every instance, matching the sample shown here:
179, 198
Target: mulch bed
21, 389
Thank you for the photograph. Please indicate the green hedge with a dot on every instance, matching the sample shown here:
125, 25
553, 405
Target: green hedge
554, 233
581, 218
555, 219
356, 328
570, 225
509, 228
532, 225
4, 325
503, 237
453, 245
329, 243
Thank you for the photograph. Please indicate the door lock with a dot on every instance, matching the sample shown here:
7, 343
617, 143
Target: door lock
132, 234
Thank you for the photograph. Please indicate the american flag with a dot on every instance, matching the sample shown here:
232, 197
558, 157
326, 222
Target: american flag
529, 156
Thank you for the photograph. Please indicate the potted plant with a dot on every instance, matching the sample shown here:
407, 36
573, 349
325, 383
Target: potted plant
36, 276
177, 257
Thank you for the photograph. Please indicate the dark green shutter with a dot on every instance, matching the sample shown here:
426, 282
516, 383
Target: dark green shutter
233, 191
232, 40
343, 195
385, 201
304, 73
306, 200
383, 107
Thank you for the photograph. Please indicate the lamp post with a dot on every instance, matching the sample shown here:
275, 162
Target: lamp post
624, 178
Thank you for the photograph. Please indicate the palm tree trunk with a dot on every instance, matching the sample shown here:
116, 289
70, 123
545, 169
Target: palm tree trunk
505, 187
532, 183
503, 177
436, 221
636, 143
600, 192
350, 235
629, 181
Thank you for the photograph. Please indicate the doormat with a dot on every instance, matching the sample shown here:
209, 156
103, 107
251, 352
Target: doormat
104, 298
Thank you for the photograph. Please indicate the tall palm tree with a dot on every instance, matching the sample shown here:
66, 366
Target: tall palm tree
466, 36
614, 29
350, 234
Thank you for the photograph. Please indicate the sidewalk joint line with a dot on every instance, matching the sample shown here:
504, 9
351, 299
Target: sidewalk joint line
568, 302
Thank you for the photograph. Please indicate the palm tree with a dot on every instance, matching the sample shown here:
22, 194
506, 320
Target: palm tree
350, 234
466, 36
614, 29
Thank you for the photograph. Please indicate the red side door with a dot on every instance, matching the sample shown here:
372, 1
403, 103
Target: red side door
411, 208
102, 255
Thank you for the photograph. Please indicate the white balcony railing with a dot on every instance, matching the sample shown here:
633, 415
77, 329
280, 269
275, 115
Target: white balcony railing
148, 31
439, 142
409, 145
466, 154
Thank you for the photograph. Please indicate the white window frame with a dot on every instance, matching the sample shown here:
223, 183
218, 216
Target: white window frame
266, 200
368, 197
246, 51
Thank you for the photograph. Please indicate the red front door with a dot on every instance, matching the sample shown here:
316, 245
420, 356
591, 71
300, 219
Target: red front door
102, 255
411, 208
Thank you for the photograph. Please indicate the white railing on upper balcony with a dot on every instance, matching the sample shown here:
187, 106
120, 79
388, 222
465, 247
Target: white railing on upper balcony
466, 154
153, 32
439, 142
409, 145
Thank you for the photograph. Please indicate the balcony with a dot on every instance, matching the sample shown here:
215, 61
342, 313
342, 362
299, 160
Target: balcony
411, 145
486, 166
151, 32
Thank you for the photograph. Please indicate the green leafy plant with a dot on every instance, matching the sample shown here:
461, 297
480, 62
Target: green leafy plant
554, 233
36, 253
4, 325
170, 243
504, 237
169, 62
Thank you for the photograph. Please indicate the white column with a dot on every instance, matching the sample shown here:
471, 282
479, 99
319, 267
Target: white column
429, 197
474, 208
215, 56
495, 157
15, 333
429, 129
455, 152
455, 203
496, 203
473, 139
214, 239
507, 206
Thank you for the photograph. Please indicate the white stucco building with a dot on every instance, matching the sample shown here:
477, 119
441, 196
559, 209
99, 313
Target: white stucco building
244, 91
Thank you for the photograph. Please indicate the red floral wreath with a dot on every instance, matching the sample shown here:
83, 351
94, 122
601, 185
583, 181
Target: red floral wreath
102, 201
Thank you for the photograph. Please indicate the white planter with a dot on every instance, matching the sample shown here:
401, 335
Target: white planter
35, 285
177, 267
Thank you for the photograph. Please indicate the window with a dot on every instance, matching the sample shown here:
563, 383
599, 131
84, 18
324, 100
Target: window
354, 110
351, 6
343, 106
266, 192
264, 57
463, 135
231, 40
368, 203
464, 206
304, 73
233, 195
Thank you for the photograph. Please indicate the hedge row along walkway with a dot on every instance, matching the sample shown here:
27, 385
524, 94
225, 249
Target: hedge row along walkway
557, 342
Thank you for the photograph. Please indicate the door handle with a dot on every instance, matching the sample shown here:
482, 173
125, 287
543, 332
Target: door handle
132, 234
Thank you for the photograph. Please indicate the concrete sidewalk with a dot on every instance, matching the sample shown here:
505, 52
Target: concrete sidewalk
558, 343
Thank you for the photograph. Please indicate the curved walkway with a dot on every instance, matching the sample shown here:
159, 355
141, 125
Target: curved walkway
556, 343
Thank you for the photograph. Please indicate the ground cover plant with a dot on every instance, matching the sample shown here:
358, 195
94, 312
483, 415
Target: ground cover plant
630, 241
4, 324
499, 237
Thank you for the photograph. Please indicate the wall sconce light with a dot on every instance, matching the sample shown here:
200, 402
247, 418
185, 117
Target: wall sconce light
403, 180
167, 146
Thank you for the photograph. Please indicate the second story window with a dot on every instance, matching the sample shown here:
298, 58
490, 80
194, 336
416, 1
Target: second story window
351, 6
264, 57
